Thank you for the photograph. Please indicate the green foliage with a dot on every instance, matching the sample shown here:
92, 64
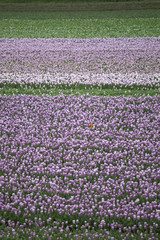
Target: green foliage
77, 90
114, 24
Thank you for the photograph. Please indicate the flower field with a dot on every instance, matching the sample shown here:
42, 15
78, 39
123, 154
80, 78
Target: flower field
98, 178
121, 61
83, 167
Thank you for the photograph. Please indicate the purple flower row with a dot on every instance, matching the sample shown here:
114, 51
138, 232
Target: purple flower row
53, 160
99, 55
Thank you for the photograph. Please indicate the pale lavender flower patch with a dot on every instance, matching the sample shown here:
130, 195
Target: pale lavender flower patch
81, 59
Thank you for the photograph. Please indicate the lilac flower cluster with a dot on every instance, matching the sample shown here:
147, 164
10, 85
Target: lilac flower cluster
81, 59
53, 161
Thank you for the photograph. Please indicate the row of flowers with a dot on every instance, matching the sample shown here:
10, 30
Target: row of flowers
87, 56
92, 159
127, 80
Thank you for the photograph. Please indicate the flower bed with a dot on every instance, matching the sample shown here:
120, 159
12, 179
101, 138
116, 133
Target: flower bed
79, 166
86, 56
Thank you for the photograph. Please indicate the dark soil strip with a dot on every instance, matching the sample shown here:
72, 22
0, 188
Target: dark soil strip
18, 7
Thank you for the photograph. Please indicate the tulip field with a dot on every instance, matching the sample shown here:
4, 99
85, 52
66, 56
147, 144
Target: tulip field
79, 137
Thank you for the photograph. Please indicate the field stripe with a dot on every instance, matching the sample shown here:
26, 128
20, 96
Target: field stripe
127, 79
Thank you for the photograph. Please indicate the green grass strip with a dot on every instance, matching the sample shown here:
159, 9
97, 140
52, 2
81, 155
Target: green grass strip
83, 25
77, 90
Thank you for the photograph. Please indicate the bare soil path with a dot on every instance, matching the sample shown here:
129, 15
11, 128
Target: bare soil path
106, 6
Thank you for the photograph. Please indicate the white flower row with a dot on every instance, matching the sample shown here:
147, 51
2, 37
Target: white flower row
127, 79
